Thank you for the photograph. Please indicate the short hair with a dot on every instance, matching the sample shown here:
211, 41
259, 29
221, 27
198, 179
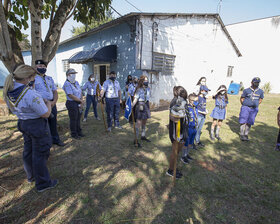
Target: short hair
90, 76
112, 73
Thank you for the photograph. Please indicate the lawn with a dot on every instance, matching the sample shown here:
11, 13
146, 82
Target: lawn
104, 179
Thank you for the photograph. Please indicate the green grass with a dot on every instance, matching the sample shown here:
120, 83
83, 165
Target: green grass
104, 179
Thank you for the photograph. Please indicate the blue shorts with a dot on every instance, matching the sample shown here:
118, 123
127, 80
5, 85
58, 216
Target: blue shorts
191, 136
247, 115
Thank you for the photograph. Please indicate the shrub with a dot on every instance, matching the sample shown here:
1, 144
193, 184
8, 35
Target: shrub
266, 87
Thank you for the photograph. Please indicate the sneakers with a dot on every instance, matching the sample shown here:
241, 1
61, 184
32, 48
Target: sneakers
118, 127
145, 139
76, 137
81, 135
53, 184
169, 172
244, 138
185, 160
189, 157
137, 145
194, 147
218, 138
31, 180
109, 129
97, 118
212, 137
200, 144
60, 143
85, 119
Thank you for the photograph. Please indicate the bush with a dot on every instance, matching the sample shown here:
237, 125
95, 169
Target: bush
266, 87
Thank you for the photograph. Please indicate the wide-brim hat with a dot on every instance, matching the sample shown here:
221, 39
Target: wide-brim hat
71, 71
220, 90
256, 79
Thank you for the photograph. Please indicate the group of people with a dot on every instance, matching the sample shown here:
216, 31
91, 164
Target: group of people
32, 95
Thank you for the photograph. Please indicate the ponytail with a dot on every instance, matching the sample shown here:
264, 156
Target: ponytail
8, 86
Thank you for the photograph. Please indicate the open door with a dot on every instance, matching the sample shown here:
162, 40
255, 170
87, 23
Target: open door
102, 72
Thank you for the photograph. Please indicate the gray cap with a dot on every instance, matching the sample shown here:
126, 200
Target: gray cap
71, 71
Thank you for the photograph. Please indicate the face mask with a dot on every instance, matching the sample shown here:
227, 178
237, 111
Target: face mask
146, 83
223, 92
256, 84
42, 70
72, 78
113, 78
31, 83
92, 79
203, 83
204, 93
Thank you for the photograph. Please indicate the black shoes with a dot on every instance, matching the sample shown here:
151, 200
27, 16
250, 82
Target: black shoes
212, 137
189, 157
185, 160
169, 172
52, 185
76, 137
137, 145
194, 147
244, 138
60, 143
218, 138
145, 139
81, 135
200, 144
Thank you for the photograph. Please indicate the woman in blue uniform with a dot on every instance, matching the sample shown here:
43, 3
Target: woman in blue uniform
90, 86
32, 112
219, 112
142, 108
74, 103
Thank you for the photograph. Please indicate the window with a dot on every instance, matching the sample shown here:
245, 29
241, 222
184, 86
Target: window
163, 63
65, 64
229, 71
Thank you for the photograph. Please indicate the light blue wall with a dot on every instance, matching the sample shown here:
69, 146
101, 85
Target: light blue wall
119, 35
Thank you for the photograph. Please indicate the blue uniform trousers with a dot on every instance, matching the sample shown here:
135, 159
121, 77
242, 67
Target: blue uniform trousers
53, 125
75, 117
91, 99
37, 144
191, 135
200, 123
113, 111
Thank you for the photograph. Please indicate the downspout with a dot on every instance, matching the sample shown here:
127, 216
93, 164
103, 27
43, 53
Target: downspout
141, 48
153, 35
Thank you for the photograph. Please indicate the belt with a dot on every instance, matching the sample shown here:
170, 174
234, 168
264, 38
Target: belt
113, 98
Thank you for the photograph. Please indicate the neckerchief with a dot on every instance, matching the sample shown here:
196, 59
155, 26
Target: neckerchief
16, 95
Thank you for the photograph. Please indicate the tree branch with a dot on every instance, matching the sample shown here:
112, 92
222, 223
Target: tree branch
73, 10
52, 12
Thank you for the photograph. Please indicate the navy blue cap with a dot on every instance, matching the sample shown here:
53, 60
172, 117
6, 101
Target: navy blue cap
204, 88
256, 79
40, 62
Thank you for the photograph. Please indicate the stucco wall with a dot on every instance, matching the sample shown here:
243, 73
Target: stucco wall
259, 43
201, 49
119, 35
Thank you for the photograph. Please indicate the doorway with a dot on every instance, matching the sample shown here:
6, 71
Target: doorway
102, 72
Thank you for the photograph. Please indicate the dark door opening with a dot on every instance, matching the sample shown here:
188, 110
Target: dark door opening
102, 72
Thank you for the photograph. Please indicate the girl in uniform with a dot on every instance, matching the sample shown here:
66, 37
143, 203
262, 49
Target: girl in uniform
32, 112
219, 112
142, 108
74, 103
178, 92
90, 86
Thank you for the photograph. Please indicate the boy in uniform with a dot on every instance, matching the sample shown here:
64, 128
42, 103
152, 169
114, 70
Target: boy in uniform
250, 99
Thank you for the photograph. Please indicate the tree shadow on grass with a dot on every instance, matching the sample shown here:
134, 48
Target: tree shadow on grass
104, 179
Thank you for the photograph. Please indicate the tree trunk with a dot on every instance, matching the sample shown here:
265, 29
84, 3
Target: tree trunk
35, 7
9, 48
51, 42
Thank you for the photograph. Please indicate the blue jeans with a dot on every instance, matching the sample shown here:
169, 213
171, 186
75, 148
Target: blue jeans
113, 111
37, 144
91, 99
200, 123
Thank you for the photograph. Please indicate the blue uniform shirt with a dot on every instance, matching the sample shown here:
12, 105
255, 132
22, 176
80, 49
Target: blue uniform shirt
221, 102
73, 89
91, 87
143, 94
131, 89
252, 97
192, 116
111, 88
45, 86
201, 106
31, 105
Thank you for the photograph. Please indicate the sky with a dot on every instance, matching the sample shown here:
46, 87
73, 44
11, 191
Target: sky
231, 11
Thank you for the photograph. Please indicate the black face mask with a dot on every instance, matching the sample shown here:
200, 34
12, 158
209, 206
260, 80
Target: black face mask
146, 83
256, 85
113, 78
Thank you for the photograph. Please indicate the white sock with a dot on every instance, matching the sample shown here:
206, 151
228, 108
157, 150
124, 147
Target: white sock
143, 131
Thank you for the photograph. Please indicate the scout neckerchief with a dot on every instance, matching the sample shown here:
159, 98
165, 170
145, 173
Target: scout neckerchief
16, 101
114, 87
93, 85
253, 93
73, 83
145, 94
45, 82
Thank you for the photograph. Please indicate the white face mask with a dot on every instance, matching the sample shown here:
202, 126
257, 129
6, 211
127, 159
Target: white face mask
223, 92
72, 78
92, 79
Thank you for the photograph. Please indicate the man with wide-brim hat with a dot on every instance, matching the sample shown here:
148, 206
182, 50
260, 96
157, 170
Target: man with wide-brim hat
250, 99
